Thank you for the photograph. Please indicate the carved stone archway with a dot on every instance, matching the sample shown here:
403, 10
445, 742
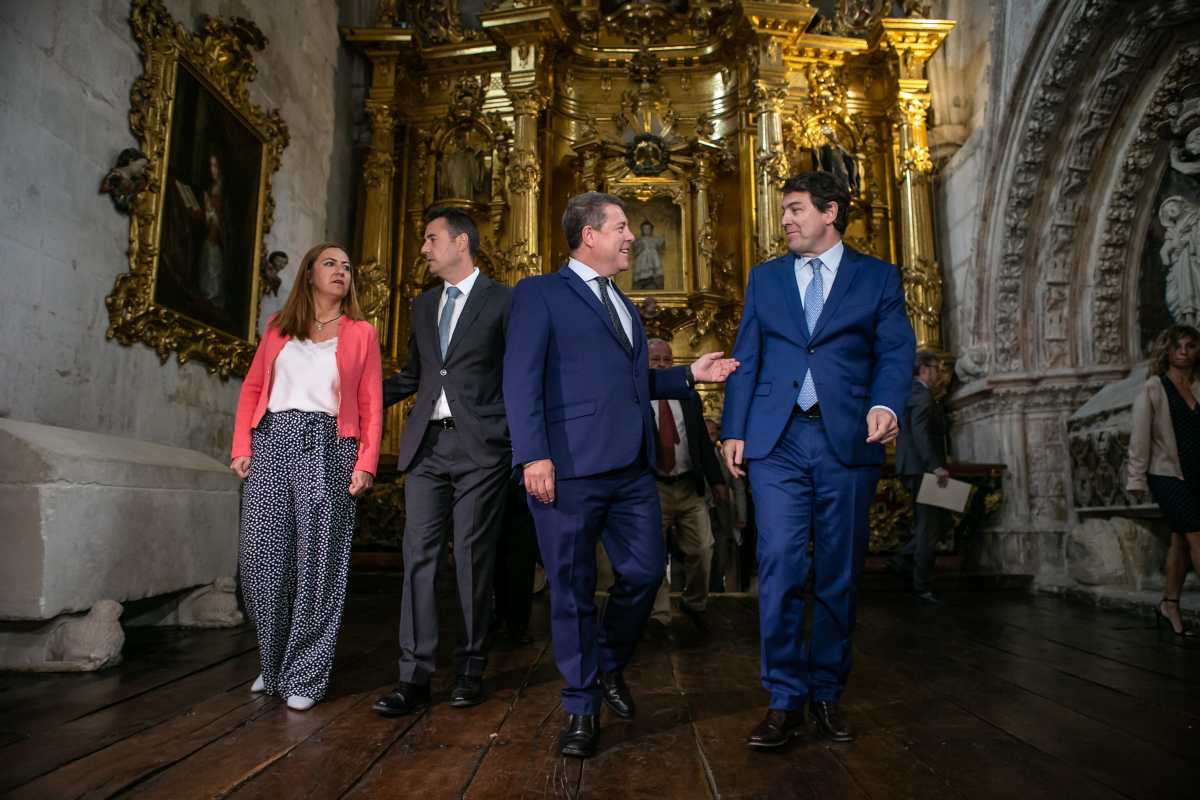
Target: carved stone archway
1076, 162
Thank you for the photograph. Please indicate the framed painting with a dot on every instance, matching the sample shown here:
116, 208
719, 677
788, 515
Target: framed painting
661, 258
196, 234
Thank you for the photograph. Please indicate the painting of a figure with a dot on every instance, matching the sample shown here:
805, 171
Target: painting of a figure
647, 259
656, 258
209, 224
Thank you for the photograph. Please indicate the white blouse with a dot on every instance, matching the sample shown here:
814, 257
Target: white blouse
306, 377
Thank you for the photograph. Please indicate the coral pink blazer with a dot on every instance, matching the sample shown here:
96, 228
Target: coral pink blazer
360, 396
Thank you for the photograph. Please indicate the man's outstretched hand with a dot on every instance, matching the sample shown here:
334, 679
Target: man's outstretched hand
711, 368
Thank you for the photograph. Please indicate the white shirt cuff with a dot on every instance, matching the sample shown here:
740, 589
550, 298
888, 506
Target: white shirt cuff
885, 408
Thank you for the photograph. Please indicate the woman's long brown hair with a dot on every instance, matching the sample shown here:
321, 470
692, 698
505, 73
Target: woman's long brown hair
299, 312
1160, 355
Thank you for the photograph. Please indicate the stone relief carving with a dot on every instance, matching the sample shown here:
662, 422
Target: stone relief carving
1045, 113
1108, 280
1061, 240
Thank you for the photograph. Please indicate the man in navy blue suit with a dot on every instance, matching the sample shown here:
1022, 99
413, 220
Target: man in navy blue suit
826, 353
577, 388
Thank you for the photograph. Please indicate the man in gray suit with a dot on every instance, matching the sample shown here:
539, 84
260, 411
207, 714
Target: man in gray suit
456, 450
921, 448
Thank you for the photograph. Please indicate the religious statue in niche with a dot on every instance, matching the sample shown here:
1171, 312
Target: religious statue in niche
1180, 252
831, 157
462, 172
647, 259
1179, 215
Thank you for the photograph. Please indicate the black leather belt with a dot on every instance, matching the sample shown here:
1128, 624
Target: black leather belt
812, 413
671, 478
446, 424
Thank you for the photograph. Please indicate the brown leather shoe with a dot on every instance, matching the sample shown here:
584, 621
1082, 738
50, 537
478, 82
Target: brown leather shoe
777, 727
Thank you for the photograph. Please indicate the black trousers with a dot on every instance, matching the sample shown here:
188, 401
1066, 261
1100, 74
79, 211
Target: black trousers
445, 485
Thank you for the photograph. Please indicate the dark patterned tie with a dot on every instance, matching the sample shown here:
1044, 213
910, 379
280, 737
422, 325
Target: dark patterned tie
602, 282
668, 437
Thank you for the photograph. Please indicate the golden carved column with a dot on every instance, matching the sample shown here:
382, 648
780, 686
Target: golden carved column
912, 42
705, 160
776, 27
529, 30
523, 177
770, 166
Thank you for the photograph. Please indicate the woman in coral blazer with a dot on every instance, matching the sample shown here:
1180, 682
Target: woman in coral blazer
306, 442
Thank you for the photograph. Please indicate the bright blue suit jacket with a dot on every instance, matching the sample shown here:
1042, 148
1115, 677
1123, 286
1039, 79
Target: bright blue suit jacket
571, 391
861, 355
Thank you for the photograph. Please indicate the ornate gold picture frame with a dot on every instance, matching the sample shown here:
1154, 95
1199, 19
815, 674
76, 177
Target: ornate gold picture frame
196, 233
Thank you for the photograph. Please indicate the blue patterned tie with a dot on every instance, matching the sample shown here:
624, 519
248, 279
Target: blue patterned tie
452, 294
814, 301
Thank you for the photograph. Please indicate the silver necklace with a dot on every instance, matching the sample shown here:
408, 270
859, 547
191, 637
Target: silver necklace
321, 325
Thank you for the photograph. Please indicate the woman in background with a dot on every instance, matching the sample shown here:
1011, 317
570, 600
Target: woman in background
1164, 455
306, 442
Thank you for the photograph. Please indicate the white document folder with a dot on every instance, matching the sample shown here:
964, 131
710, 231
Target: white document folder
953, 496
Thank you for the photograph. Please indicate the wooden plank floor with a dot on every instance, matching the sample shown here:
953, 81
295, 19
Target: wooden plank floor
992, 695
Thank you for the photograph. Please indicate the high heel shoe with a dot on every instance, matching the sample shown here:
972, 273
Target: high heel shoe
1161, 617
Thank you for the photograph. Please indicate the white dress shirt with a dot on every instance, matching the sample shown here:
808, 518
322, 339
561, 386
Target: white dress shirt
589, 276
683, 457
831, 259
306, 377
441, 409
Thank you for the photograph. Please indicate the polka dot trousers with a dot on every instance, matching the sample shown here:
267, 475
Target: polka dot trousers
297, 523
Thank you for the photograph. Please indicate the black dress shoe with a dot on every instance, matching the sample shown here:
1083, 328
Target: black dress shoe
578, 740
404, 699
830, 722
777, 727
617, 694
657, 631
696, 616
467, 691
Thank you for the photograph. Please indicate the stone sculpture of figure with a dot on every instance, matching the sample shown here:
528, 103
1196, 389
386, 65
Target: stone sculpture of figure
647, 259
1180, 252
461, 173
127, 179
273, 265
1185, 152
212, 606
831, 157
87, 644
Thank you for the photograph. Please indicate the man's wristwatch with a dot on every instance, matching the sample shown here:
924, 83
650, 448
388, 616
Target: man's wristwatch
691, 379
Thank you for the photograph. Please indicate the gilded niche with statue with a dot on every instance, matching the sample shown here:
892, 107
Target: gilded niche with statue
693, 111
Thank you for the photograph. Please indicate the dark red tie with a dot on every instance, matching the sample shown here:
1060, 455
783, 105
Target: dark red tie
668, 437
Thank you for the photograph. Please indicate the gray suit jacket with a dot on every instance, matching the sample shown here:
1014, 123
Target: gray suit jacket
921, 445
471, 374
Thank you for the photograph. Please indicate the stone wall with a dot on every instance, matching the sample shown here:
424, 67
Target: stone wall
64, 102
1045, 208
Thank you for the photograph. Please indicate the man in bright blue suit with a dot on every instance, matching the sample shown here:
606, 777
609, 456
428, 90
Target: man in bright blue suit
826, 353
577, 388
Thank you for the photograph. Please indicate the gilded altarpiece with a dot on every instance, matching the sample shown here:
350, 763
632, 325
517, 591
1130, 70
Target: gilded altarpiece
695, 112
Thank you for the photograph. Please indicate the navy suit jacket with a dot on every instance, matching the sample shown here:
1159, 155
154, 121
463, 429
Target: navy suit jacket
572, 393
861, 355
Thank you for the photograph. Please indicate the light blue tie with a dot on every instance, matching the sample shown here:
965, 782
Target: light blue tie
814, 301
452, 294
